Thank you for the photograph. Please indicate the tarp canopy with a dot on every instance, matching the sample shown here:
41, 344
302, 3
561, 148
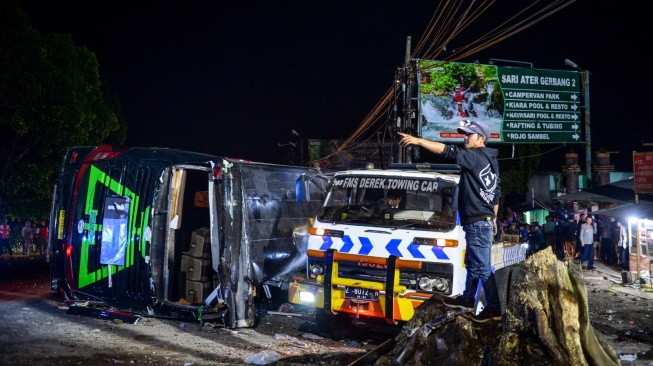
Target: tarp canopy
590, 197
622, 191
640, 210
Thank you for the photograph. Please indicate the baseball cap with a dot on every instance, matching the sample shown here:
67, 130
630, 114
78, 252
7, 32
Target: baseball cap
467, 127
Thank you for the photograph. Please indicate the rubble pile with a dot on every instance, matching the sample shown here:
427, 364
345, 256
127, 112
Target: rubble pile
545, 322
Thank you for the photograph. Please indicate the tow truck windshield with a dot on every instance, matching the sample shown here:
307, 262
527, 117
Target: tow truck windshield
392, 202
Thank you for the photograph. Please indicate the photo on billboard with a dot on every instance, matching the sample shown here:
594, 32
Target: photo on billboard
520, 105
451, 92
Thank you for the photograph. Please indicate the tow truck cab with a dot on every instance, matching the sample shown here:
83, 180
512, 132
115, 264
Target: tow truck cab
373, 263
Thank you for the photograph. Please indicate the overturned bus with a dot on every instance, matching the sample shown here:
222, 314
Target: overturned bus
177, 234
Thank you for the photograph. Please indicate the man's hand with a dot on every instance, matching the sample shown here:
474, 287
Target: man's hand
432, 146
408, 139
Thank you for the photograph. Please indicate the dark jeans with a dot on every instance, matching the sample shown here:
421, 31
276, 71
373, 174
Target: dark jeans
606, 243
625, 259
478, 236
4, 243
588, 253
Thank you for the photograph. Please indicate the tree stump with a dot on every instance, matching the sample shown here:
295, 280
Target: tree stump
545, 322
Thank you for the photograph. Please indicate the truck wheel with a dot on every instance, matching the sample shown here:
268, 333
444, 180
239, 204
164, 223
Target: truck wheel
333, 326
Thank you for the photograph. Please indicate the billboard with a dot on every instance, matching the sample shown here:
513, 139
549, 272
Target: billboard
520, 105
643, 169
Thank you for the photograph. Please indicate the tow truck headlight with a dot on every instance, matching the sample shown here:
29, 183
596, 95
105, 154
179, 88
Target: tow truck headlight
441, 284
438, 284
326, 232
316, 270
425, 284
306, 296
436, 242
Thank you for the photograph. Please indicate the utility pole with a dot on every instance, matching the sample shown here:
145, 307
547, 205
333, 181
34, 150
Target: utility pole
585, 76
588, 144
406, 87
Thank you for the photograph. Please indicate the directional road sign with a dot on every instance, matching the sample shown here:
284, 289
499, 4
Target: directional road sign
540, 106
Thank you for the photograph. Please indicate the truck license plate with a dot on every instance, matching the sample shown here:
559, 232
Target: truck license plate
361, 294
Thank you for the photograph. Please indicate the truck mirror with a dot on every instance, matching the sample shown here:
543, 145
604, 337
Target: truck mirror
302, 189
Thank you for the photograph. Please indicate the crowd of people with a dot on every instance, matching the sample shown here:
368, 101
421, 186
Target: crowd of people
590, 238
33, 238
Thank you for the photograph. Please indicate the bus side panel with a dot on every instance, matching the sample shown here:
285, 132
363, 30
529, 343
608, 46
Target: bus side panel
265, 230
276, 223
126, 281
62, 280
132, 281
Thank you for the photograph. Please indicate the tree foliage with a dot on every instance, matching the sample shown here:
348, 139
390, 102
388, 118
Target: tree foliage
50, 99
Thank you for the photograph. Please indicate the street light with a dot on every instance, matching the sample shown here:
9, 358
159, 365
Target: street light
585, 76
571, 63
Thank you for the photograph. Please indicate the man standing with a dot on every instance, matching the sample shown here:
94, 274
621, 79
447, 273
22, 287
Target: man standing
587, 231
42, 237
579, 247
549, 231
478, 205
569, 237
606, 240
623, 246
536, 240
5, 229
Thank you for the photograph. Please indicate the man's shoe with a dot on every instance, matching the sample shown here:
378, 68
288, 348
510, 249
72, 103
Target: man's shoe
486, 315
591, 268
458, 302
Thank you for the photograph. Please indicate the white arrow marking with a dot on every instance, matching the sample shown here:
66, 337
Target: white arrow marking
573, 96
573, 106
574, 126
575, 116
575, 136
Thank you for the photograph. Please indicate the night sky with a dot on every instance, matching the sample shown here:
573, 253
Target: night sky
233, 78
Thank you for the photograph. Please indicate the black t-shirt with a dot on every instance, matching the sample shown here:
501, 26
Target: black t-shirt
479, 181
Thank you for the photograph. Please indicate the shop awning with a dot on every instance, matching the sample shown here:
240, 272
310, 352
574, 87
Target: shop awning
640, 210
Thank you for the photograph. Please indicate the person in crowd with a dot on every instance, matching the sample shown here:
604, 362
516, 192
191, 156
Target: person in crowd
536, 240
615, 253
579, 248
5, 229
27, 235
549, 231
560, 248
35, 230
478, 207
42, 237
606, 240
587, 231
523, 233
569, 237
502, 228
512, 229
623, 245
597, 236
